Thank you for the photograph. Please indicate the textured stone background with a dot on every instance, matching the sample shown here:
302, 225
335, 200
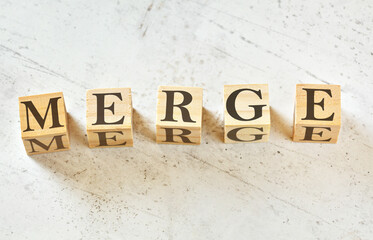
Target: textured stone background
274, 190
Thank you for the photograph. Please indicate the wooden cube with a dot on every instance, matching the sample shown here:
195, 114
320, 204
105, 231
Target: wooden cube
317, 113
44, 123
246, 113
109, 117
179, 115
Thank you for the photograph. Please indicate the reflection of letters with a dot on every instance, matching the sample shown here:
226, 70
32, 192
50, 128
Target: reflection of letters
102, 139
170, 135
309, 133
232, 134
57, 139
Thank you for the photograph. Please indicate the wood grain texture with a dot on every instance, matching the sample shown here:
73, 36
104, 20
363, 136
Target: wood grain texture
115, 127
317, 118
188, 126
44, 123
254, 126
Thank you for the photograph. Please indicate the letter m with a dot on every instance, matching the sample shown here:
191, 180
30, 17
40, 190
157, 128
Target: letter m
57, 139
30, 108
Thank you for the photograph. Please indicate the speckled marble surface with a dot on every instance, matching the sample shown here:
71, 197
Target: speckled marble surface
275, 190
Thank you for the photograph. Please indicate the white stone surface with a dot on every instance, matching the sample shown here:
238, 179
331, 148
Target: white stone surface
275, 190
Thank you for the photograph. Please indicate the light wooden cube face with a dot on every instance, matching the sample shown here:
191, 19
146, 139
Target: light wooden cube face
317, 113
109, 117
179, 115
44, 124
246, 113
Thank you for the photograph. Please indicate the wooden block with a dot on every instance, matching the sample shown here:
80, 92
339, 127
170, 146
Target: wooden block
246, 113
44, 123
317, 113
179, 115
109, 117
